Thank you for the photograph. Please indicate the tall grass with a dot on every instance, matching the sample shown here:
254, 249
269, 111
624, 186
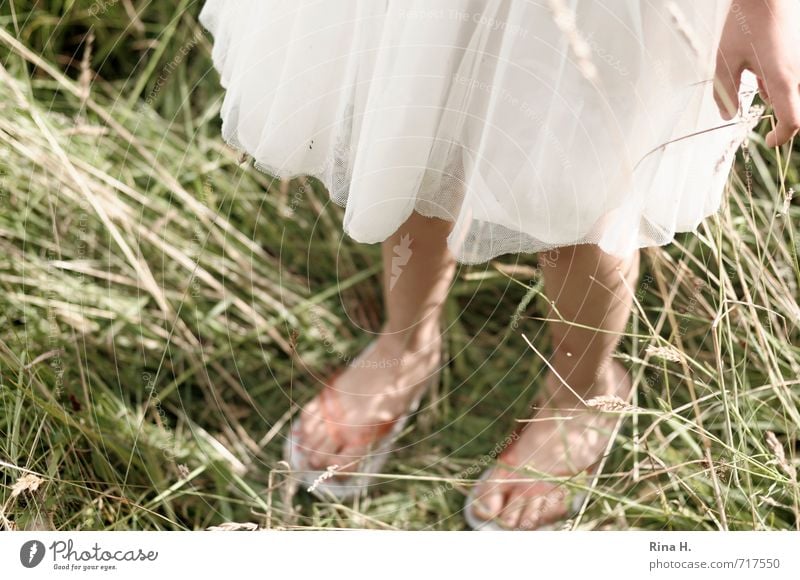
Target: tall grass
162, 305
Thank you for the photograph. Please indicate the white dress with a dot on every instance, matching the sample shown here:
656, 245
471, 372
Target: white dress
531, 124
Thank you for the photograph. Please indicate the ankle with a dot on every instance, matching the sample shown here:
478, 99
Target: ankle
608, 380
417, 339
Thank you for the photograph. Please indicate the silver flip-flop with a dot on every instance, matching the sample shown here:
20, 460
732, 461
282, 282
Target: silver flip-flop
327, 484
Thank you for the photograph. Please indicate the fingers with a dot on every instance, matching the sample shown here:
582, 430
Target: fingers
785, 100
726, 86
763, 92
783, 95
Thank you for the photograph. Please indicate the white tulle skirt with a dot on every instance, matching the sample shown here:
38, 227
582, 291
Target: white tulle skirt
529, 124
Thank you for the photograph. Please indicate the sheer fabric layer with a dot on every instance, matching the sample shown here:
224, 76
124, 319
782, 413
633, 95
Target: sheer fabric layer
529, 124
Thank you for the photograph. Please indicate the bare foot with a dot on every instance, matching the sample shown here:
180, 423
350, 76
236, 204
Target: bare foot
338, 427
563, 439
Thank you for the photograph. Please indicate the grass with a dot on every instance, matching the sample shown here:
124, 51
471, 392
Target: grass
162, 303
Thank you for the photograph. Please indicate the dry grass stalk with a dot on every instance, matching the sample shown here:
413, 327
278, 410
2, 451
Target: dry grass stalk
234, 527
744, 127
611, 403
787, 202
329, 473
28, 482
667, 353
86, 75
780, 456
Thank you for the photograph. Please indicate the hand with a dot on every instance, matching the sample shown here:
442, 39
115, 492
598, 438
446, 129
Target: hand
762, 36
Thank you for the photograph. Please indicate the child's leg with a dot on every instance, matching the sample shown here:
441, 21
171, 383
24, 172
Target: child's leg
587, 288
418, 270
585, 285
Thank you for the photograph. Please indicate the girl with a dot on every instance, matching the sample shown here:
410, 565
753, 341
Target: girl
454, 131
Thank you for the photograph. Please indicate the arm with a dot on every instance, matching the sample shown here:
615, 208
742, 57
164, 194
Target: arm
762, 36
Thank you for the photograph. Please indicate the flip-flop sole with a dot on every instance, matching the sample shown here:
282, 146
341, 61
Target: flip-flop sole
326, 486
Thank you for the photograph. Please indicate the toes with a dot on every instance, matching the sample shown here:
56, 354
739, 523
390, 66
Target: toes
320, 449
554, 507
512, 511
515, 508
531, 514
544, 510
310, 424
319, 458
312, 438
323, 454
307, 437
489, 503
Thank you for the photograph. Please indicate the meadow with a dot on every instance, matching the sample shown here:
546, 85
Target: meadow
164, 308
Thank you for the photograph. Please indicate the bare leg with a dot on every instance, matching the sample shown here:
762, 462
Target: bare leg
417, 273
379, 385
585, 285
